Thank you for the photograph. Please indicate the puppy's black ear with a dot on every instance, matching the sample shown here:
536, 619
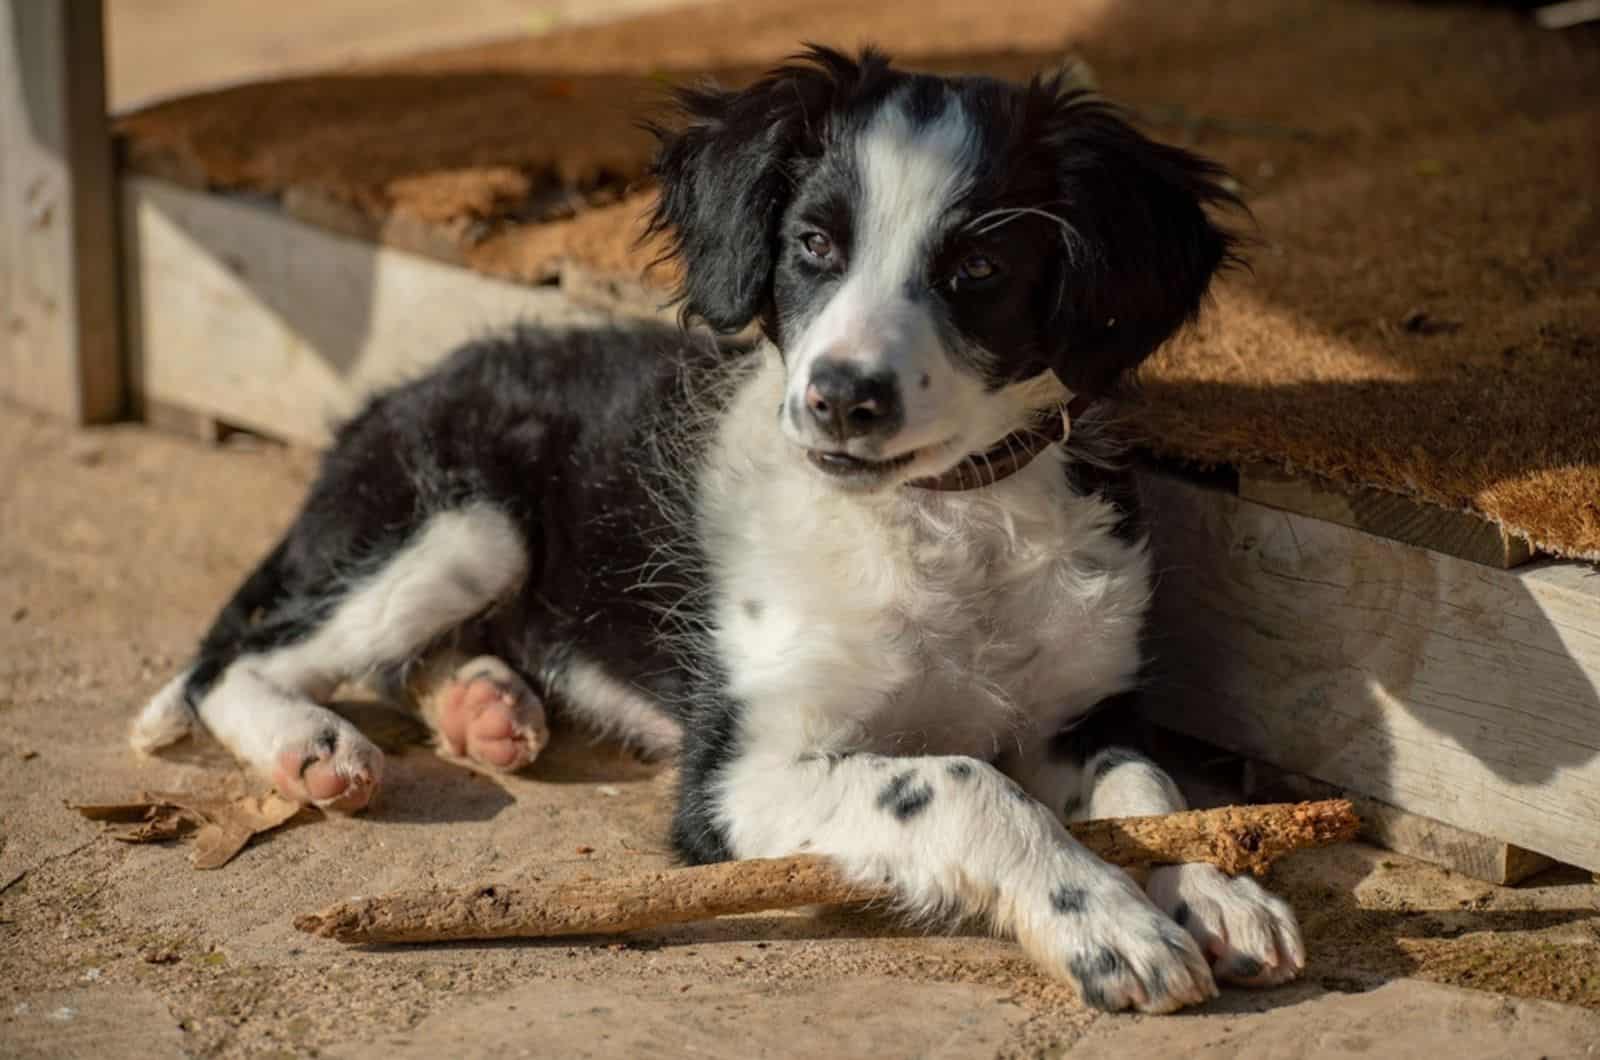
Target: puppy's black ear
1139, 248
724, 170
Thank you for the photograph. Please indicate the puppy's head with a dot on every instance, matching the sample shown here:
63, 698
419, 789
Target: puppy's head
936, 259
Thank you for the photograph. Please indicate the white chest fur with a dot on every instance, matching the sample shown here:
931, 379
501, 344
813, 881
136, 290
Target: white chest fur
909, 622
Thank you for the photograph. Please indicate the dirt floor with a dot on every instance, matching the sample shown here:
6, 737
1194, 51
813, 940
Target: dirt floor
116, 544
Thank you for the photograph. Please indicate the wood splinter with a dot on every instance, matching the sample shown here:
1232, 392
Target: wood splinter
1237, 839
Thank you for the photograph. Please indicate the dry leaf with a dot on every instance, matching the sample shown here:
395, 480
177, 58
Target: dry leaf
216, 844
160, 823
115, 811
242, 819
221, 827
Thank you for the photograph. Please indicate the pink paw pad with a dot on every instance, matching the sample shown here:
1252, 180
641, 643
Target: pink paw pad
491, 716
342, 779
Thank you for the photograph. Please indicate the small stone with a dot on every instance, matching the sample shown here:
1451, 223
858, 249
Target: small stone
1419, 322
608, 791
86, 451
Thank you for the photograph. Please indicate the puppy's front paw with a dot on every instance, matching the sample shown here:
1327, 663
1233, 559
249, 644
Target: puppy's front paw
1120, 951
1250, 935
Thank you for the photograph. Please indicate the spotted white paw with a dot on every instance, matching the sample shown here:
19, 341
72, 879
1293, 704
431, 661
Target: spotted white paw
1249, 935
1118, 949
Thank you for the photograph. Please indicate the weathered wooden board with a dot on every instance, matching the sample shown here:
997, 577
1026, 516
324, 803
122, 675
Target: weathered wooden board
1388, 515
60, 339
1479, 856
176, 419
1567, 14
1436, 685
261, 321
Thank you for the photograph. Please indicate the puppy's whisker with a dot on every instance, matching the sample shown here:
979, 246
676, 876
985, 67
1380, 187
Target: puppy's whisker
1071, 239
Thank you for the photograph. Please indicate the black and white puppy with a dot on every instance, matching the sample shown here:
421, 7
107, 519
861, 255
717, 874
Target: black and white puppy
848, 575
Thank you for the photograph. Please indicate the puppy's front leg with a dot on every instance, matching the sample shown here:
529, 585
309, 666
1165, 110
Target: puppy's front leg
1250, 934
954, 836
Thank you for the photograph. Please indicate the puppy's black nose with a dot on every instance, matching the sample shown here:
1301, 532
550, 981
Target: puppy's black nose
846, 402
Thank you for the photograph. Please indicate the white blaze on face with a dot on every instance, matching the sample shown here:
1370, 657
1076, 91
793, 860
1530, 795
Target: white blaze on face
909, 177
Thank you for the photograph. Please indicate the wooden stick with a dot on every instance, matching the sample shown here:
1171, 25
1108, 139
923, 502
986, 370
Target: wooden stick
1235, 838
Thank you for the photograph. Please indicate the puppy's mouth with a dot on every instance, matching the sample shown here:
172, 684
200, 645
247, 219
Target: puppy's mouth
858, 470
859, 473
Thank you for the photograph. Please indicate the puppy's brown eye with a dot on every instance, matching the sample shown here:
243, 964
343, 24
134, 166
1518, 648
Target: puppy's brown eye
977, 267
817, 245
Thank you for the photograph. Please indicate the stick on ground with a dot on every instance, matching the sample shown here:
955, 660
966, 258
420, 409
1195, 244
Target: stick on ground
1236, 839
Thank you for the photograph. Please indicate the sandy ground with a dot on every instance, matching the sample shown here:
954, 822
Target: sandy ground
116, 544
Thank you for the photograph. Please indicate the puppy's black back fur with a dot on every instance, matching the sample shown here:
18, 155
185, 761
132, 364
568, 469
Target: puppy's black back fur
560, 430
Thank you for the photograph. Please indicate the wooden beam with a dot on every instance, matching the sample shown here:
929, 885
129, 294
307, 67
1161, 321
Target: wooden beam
1375, 511
1438, 686
1567, 14
184, 422
1481, 857
245, 315
60, 318
1212, 776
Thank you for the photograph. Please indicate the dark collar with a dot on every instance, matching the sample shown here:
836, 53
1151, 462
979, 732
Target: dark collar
1009, 455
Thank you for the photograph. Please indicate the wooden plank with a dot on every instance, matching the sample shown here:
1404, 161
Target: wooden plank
60, 319
1375, 511
1481, 857
400, 231
184, 422
242, 314
1436, 685
1211, 776
166, 48
1567, 14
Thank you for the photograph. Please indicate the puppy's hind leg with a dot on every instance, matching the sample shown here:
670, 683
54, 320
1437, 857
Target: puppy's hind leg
260, 698
170, 715
479, 709
165, 719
